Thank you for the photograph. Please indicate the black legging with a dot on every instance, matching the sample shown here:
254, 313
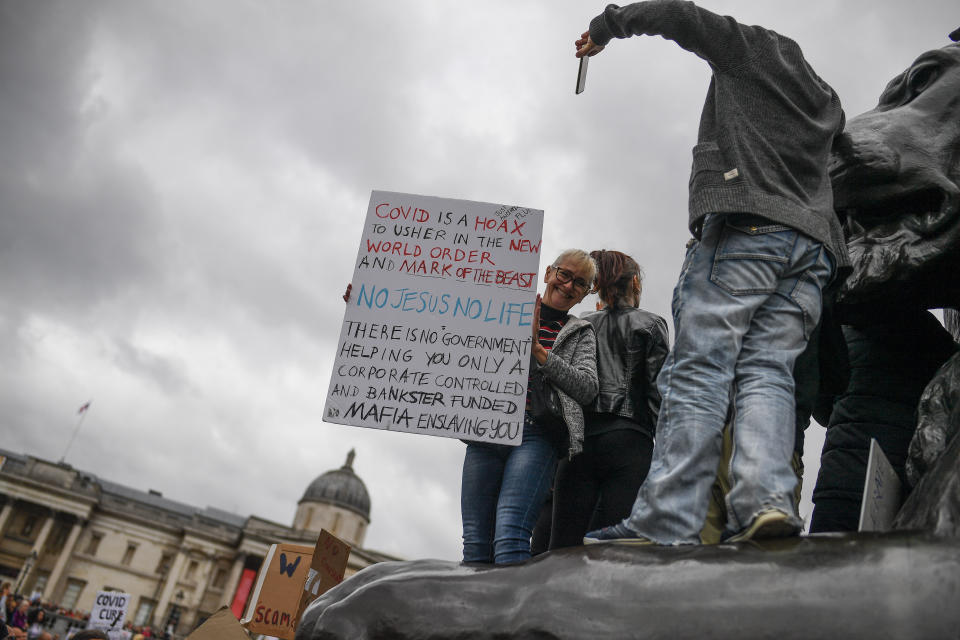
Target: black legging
598, 487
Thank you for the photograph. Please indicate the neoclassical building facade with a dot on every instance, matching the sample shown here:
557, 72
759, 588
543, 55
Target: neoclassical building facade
67, 534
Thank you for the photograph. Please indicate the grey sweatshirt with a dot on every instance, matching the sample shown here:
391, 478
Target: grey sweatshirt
767, 125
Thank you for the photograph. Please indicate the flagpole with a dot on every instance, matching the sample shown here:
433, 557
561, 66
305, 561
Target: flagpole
83, 414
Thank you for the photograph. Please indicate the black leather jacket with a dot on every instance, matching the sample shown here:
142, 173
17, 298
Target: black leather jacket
631, 347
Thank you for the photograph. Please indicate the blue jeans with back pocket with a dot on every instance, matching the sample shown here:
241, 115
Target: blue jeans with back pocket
748, 296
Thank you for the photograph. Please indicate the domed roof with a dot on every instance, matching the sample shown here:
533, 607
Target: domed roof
340, 487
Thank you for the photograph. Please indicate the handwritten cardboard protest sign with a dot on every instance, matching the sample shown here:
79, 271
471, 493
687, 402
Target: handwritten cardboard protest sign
273, 604
326, 569
222, 625
109, 611
436, 336
882, 492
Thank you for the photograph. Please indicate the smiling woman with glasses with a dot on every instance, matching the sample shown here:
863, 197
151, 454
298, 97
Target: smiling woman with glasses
563, 276
504, 487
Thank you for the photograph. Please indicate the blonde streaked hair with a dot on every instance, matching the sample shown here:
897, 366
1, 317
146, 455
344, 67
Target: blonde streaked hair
582, 260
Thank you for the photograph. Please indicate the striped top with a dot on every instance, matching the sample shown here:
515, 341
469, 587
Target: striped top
551, 322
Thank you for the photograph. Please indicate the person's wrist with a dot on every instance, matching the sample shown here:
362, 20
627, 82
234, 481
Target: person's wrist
539, 353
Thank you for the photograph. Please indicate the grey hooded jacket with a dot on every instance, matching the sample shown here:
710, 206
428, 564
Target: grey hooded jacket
571, 367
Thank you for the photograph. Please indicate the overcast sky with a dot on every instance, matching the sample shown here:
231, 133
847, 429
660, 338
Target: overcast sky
183, 186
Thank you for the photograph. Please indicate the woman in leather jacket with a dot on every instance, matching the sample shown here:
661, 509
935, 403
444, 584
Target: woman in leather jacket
598, 487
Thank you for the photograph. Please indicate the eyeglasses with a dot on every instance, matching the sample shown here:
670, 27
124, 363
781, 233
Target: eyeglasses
563, 277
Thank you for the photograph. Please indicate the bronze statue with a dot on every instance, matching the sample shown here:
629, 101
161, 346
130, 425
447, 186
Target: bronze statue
896, 177
891, 586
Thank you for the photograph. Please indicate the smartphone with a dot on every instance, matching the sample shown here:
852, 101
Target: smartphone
582, 74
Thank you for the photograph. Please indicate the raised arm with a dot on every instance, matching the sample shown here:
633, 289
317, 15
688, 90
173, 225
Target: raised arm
720, 40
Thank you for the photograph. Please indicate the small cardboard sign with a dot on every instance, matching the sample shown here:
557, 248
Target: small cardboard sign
882, 492
273, 604
109, 610
326, 570
222, 625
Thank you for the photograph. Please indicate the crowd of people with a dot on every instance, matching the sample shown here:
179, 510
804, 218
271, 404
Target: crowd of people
645, 429
30, 618
22, 619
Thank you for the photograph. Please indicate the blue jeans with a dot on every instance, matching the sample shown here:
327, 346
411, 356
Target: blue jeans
502, 491
748, 297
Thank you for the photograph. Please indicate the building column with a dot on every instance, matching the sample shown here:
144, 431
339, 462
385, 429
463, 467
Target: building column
45, 530
62, 559
34, 558
5, 515
191, 605
169, 586
230, 588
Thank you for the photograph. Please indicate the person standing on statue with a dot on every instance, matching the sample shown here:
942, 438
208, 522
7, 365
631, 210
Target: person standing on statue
766, 242
503, 488
600, 484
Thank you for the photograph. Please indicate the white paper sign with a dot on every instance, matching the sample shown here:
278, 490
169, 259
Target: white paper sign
109, 610
882, 492
436, 336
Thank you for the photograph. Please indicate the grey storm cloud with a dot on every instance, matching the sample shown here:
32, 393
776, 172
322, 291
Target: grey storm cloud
71, 214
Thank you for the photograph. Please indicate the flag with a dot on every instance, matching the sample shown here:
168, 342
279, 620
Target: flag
83, 408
